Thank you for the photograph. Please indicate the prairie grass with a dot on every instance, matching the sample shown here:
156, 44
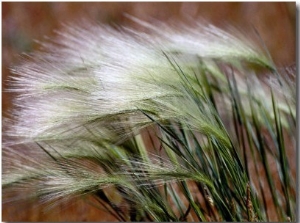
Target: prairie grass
185, 123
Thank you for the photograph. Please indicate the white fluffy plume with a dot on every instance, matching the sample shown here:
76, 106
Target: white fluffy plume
92, 76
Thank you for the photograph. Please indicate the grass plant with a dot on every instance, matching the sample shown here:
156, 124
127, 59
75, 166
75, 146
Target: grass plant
185, 123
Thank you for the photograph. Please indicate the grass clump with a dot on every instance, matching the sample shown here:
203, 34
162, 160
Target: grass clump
179, 123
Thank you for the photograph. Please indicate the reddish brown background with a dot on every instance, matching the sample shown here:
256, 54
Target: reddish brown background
23, 22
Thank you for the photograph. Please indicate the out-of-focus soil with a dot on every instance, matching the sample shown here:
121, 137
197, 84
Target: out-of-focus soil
23, 22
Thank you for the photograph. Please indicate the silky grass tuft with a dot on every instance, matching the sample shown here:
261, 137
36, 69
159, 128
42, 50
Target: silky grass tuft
179, 121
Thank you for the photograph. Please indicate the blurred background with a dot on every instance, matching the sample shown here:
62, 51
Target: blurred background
24, 22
